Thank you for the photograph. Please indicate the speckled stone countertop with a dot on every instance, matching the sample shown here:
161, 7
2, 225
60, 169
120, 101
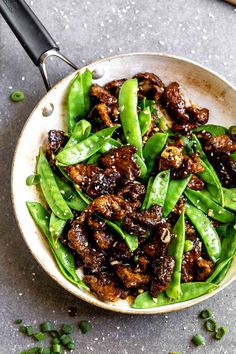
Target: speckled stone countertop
202, 30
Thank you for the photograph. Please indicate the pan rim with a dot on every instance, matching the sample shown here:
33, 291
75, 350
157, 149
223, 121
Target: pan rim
82, 296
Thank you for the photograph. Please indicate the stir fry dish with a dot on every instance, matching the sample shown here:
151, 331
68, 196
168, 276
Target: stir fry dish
139, 193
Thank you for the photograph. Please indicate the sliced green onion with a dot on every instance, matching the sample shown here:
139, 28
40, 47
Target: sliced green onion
31, 351
205, 313
29, 330
44, 351
220, 332
18, 321
188, 245
210, 325
56, 348
39, 336
22, 329
56, 341
17, 96
84, 326
33, 180
198, 339
67, 328
47, 326
65, 339
71, 345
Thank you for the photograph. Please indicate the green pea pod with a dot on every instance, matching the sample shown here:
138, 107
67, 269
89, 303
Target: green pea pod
233, 156
147, 194
211, 128
144, 103
228, 251
87, 200
219, 267
158, 189
143, 168
78, 103
175, 189
176, 249
189, 291
51, 190
206, 175
152, 149
210, 170
80, 132
206, 230
56, 227
145, 120
223, 229
229, 196
130, 240
208, 206
93, 160
85, 148
70, 195
62, 255
109, 144
128, 101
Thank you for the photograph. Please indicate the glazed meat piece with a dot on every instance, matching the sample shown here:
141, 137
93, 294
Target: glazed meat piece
114, 86
78, 241
143, 263
196, 183
220, 143
129, 278
205, 268
179, 207
104, 239
190, 259
93, 179
171, 156
198, 115
163, 270
122, 160
56, 139
139, 223
225, 168
150, 86
191, 165
133, 192
158, 243
100, 116
120, 252
107, 206
102, 95
174, 103
104, 287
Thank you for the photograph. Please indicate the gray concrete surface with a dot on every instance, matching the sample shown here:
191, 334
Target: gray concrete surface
203, 30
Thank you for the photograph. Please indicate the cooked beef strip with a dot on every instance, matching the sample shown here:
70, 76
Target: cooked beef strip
150, 86
174, 103
56, 139
133, 192
114, 86
205, 268
155, 248
163, 271
105, 288
196, 183
102, 95
220, 143
100, 116
191, 165
198, 115
225, 168
129, 278
104, 239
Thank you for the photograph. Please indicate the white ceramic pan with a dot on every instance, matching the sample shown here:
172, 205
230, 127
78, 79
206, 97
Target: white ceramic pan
203, 86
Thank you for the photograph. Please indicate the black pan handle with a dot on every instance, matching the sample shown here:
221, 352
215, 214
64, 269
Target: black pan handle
31, 33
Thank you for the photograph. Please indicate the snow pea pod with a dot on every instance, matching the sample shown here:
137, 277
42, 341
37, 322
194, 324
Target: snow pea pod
128, 101
51, 190
176, 249
210, 170
152, 149
228, 251
158, 189
130, 240
78, 102
109, 144
233, 156
208, 206
206, 230
56, 227
80, 132
219, 267
175, 189
147, 194
85, 148
229, 196
145, 120
189, 291
70, 195
142, 166
93, 160
62, 255
211, 128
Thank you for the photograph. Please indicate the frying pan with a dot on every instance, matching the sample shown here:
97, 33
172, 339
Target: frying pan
205, 88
